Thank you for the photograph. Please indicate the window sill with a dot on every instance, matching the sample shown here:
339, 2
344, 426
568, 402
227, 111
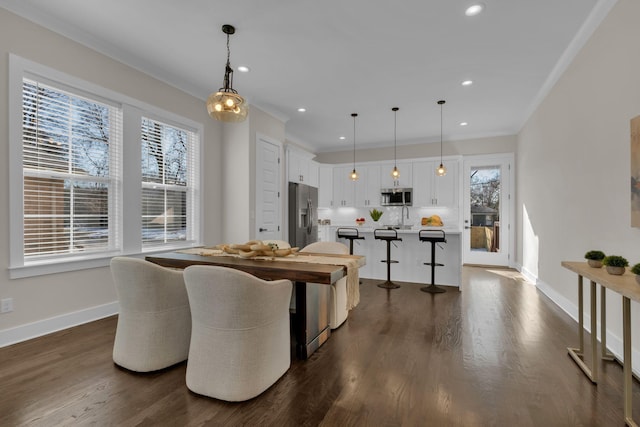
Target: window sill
42, 268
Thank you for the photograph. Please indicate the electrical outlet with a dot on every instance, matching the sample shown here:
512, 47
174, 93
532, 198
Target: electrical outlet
6, 305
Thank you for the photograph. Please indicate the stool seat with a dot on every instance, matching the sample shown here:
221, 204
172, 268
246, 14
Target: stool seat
351, 234
433, 237
388, 235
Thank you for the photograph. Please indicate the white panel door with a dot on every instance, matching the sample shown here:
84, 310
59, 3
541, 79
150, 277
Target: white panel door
488, 208
268, 205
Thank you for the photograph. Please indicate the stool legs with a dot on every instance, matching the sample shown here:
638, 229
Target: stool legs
432, 288
388, 284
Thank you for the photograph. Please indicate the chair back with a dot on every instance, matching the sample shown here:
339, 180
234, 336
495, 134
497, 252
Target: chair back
154, 322
327, 248
240, 344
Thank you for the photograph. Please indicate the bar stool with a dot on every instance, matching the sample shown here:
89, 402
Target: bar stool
433, 236
388, 235
350, 234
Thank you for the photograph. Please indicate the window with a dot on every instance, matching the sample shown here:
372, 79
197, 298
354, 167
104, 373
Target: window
68, 142
167, 161
78, 193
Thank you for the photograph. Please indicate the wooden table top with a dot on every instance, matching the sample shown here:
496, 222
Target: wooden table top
263, 268
625, 284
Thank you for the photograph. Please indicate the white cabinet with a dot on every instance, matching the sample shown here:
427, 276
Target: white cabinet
430, 189
301, 169
406, 176
325, 187
314, 168
367, 192
343, 187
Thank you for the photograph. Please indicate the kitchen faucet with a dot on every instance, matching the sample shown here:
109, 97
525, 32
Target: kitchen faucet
402, 214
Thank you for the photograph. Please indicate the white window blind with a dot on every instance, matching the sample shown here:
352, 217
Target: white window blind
168, 183
70, 163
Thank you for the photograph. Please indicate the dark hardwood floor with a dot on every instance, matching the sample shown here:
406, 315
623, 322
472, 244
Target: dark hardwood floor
491, 355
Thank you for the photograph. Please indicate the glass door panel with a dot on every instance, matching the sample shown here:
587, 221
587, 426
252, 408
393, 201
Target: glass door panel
486, 210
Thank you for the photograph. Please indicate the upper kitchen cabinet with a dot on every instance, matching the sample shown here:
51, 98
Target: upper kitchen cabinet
343, 187
368, 186
300, 167
325, 186
406, 176
430, 189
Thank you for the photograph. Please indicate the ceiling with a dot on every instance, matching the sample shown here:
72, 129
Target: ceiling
336, 57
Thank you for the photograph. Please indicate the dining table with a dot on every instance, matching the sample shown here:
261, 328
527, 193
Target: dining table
311, 273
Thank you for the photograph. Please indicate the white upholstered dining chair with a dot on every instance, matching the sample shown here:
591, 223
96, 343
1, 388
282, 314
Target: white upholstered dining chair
154, 323
338, 295
240, 342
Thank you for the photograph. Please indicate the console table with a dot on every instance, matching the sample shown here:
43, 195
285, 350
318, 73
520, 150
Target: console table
629, 289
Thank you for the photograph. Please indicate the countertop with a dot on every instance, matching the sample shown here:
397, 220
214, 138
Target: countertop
414, 230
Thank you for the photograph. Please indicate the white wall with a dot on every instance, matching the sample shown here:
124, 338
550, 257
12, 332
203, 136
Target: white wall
59, 299
573, 175
239, 172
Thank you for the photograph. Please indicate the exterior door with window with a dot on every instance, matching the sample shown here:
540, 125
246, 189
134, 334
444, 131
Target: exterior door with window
268, 205
487, 210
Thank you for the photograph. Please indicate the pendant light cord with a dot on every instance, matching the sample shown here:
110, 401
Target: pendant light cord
395, 120
354, 115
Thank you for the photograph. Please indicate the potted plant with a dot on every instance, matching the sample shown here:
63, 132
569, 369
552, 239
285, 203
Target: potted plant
375, 214
636, 270
594, 258
615, 264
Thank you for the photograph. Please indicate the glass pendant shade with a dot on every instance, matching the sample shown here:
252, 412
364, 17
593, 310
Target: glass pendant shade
441, 171
354, 175
395, 173
227, 107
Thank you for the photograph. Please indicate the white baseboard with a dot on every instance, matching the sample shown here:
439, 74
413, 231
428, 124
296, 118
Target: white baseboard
614, 342
57, 323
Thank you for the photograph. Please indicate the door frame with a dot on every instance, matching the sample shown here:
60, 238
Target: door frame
259, 139
507, 207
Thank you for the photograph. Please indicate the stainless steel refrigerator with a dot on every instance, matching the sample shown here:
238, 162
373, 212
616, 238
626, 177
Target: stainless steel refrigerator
303, 216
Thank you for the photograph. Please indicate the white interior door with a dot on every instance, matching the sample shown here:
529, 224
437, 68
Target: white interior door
487, 211
268, 204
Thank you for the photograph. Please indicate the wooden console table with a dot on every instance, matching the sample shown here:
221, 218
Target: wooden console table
629, 289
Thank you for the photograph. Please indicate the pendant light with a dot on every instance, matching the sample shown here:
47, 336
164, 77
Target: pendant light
441, 171
395, 173
354, 174
226, 105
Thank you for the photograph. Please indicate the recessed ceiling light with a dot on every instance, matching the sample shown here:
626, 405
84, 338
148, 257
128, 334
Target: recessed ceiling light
467, 83
302, 110
464, 124
343, 138
474, 9
243, 69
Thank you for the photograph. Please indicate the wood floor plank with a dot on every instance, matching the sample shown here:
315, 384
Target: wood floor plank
493, 354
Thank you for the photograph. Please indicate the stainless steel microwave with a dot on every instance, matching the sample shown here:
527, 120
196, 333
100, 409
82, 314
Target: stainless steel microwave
396, 196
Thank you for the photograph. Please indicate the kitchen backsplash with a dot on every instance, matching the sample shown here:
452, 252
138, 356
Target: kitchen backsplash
391, 215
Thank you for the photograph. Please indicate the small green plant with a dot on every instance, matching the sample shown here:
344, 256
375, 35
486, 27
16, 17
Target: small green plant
615, 261
636, 269
375, 214
595, 255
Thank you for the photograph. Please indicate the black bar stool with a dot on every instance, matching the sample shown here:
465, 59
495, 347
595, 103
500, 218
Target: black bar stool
388, 235
350, 234
433, 236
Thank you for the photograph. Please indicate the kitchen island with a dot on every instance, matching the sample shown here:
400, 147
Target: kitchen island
411, 254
